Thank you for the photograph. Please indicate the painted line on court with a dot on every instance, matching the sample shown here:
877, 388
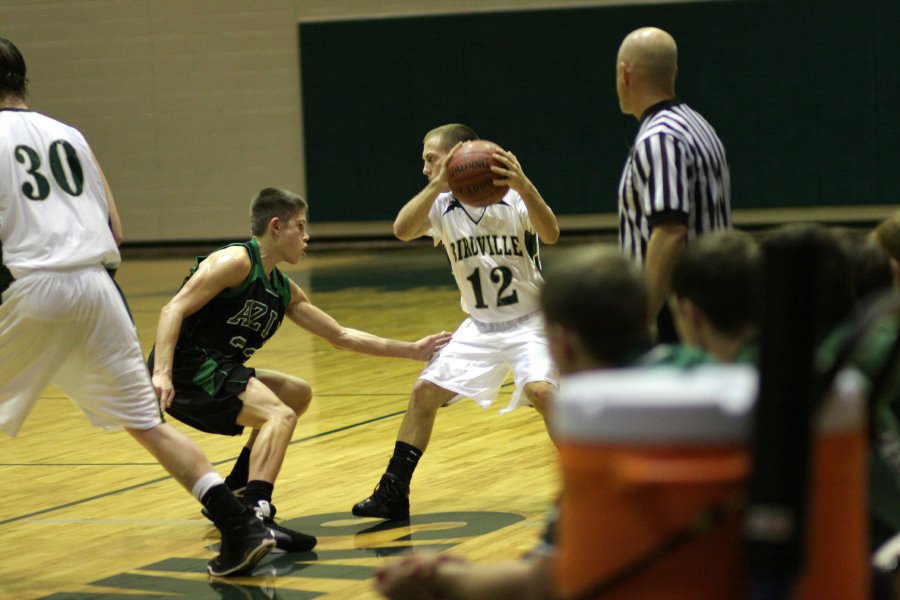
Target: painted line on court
153, 463
139, 464
159, 479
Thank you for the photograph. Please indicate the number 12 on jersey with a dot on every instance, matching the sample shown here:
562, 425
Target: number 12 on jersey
501, 277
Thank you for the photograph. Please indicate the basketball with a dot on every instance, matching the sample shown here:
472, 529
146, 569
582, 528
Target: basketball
469, 173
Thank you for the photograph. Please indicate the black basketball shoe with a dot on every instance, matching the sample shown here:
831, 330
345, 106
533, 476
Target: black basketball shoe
245, 540
286, 539
390, 500
238, 493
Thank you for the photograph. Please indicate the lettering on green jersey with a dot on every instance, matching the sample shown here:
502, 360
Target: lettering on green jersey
251, 316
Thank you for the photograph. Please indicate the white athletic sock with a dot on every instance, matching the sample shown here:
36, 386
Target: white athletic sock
205, 483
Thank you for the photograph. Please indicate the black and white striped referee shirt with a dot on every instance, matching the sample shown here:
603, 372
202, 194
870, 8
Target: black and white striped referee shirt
676, 171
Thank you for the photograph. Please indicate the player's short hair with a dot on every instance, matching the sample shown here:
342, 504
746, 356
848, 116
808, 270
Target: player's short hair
721, 273
870, 268
600, 295
273, 202
452, 134
12, 71
833, 279
887, 234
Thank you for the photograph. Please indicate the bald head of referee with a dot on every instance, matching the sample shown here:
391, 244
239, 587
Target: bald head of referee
646, 67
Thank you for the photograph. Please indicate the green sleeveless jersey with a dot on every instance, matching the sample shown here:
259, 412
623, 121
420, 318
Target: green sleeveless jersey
238, 321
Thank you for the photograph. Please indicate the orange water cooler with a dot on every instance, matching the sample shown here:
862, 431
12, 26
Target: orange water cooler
654, 462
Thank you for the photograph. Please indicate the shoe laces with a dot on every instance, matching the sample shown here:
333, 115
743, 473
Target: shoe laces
389, 487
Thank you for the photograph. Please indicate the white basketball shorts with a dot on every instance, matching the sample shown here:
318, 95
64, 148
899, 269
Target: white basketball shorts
71, 328
480, 356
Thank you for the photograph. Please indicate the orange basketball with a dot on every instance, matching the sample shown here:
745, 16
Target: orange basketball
469, 173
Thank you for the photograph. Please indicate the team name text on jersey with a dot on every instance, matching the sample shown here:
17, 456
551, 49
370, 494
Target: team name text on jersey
502, 245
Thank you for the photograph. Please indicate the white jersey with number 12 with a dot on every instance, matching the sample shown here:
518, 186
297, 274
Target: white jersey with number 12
493, 253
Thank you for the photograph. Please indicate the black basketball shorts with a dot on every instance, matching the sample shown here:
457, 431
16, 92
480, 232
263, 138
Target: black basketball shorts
206, 392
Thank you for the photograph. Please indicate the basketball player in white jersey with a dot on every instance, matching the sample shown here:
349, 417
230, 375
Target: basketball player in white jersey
493, 253
62, 319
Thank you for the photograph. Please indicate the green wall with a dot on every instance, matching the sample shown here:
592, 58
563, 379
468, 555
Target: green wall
805, 96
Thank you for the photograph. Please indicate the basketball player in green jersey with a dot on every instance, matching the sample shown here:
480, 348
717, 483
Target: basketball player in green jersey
229, 305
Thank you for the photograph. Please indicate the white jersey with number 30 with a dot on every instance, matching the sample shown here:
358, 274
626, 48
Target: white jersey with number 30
53, 207
493, 254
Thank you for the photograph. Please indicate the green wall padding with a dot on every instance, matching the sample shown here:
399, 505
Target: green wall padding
805, 96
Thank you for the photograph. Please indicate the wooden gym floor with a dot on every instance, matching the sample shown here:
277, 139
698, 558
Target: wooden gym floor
88, 514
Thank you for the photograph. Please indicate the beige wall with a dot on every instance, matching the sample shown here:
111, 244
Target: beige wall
191, 106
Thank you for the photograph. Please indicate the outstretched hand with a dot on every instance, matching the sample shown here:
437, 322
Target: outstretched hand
425, 348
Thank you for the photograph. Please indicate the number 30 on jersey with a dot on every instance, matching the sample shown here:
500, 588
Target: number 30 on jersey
65, 167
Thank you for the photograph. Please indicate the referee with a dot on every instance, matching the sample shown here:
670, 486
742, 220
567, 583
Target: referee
675, 185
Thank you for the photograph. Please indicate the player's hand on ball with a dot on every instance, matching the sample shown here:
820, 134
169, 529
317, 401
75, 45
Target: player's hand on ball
510, 173
471, 176
441, 176
430, 345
